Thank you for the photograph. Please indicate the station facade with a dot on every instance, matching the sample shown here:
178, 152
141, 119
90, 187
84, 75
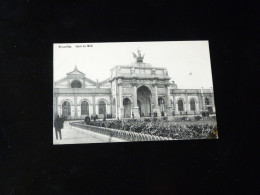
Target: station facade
135, 90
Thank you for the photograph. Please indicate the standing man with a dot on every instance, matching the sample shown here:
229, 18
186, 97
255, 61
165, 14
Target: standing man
58, 124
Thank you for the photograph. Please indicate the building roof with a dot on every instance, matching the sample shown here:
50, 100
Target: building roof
75, 72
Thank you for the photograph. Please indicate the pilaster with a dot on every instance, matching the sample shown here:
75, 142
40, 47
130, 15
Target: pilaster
94, 104
135, 108
121, 107
75, 106
169, 106
156, 107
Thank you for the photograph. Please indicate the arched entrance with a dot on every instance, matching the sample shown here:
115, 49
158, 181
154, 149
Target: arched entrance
102, 107
84, 108
127, 107
161, 104
180, 106
144, 96
66, 110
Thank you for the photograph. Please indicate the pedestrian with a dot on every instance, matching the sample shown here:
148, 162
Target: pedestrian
162, 113
87, 120
58, 125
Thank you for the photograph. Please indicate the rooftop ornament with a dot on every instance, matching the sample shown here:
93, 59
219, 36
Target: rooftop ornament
139, 58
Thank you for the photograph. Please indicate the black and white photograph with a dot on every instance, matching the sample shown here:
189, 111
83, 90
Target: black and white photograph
132, 91
129, 97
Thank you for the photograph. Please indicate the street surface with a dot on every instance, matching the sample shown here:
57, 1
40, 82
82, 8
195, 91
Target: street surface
74, 135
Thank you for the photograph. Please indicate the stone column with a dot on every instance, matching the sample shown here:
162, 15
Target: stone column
94, 104
111, 104
197, 109
177, 108
75, 106
116, 97
121, 106
169, 106
156, 107
135, 105
187, 103
55, 106
203, 101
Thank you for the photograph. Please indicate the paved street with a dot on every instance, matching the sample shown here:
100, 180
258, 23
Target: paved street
73, 135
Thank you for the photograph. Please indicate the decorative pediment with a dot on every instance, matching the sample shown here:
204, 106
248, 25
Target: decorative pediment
77, 75
75, 72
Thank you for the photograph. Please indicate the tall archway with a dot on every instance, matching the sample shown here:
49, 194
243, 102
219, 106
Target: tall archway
161, 104
66, 108
84, 108
180, 105
102, 107
192, 105
144, 96
127, 107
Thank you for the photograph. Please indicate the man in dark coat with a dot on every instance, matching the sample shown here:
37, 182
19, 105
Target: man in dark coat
58, 124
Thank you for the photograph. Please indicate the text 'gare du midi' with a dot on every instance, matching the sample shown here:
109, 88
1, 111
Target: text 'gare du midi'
135, 90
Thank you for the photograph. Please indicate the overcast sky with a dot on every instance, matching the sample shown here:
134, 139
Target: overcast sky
188, 62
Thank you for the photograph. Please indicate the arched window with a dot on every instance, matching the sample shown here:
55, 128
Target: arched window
171, 103
102, 107
84, 108
66, 111
76, 84
192, 105
114, 101
206, 101
180, 105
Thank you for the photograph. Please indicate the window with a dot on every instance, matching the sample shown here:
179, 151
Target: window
192, 105
206, 101
76, 84
102, 107
84, 108
180, 105
66, 111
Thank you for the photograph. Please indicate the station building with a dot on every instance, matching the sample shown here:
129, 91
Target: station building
134, 90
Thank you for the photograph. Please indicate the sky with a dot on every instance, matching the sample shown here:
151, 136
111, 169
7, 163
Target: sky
187, 62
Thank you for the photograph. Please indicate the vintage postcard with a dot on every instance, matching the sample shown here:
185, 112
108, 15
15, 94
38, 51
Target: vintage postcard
132, 91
